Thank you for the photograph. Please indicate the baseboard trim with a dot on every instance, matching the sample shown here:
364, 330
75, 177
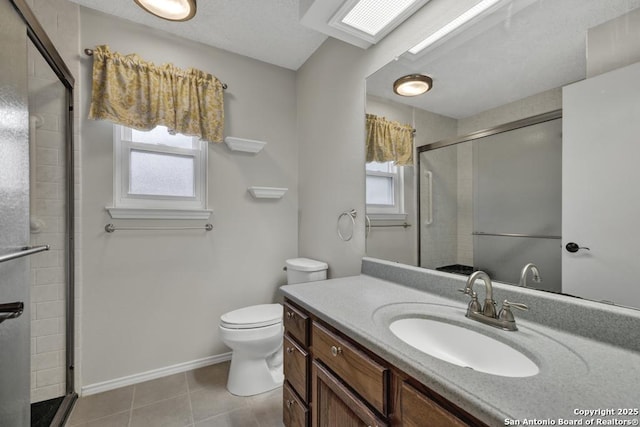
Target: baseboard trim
90, 389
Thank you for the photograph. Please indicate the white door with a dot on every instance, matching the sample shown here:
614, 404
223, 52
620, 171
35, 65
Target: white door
601, 187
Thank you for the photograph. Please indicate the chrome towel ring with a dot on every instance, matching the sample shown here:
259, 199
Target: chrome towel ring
352, 215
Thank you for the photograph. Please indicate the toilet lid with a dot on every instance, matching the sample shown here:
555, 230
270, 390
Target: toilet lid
254, 316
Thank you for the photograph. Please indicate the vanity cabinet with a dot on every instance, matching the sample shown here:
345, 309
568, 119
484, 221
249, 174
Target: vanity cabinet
332, 381
296, 359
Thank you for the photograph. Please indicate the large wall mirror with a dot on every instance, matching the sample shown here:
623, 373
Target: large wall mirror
525, 150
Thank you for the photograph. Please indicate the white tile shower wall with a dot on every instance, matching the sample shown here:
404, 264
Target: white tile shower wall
46, 101
60, 20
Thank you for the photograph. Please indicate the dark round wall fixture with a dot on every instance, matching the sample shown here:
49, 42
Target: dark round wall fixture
412, 85
171, 10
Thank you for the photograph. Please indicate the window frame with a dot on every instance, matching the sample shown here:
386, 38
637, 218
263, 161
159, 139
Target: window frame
127, 205
388, 212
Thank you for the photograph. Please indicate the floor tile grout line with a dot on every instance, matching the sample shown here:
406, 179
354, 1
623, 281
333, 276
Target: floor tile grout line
159, 401
193, 420
133, 396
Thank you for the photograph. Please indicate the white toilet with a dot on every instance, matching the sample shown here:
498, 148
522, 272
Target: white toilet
254, 334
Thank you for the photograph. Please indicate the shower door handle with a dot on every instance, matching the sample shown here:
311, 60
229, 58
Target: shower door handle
11, 310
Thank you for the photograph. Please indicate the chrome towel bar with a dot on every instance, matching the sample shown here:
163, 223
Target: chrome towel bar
403, 225
27, 250
533, 236
110, 228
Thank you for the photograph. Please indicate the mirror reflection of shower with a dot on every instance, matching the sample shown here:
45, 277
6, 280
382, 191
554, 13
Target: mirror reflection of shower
35, 122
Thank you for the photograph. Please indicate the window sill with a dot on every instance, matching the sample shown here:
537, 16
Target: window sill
146, 213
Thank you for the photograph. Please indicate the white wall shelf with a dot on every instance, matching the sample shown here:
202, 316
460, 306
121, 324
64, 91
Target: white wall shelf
267, 192
243, 144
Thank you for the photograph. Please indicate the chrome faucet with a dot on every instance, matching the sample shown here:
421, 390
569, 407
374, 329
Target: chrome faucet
487, 314
489, 309
535, 274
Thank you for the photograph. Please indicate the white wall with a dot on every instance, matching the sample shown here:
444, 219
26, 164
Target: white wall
330, 99
154, 299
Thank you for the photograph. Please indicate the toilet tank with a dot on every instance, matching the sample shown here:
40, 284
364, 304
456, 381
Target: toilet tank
301, 270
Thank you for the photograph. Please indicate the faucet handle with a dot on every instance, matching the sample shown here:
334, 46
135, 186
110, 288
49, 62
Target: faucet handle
518, 305
505, 312
474, 304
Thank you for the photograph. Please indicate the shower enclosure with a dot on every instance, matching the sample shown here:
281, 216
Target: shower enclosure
492, 201
36, 224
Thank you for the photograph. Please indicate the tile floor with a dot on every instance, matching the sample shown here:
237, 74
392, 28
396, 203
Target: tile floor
197, 398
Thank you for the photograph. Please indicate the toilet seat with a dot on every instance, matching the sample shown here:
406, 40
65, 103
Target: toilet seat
255, 316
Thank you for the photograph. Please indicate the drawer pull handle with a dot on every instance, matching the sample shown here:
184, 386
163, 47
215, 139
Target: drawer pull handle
290, 314
336, 350
290, 403
290, 350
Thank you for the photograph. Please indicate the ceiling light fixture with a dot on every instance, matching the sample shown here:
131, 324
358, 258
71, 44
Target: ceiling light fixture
458, 22
412, 85
171, 10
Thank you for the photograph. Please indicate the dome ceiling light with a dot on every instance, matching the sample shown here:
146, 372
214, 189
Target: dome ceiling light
412, 85
171, 10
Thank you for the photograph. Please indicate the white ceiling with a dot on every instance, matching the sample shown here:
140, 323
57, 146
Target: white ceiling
524, 48
267, 30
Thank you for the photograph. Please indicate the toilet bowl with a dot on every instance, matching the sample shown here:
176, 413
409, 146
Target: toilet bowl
255, 334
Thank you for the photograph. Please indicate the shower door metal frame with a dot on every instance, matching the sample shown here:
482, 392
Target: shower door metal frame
43, 43
506, 127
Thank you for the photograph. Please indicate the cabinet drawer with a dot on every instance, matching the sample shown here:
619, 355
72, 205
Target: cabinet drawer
296, 361
365, 376
294, 412
296, 324
418, 409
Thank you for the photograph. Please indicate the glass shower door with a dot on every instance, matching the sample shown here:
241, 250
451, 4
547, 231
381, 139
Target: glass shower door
14, 220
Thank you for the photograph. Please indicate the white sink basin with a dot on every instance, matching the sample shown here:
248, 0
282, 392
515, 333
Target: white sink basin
463, 347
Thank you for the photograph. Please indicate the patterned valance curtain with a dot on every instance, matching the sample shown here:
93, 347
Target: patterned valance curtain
389, 141
141, 95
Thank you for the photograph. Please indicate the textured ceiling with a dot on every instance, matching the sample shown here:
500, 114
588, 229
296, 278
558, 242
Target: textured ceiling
525, 48
267, 30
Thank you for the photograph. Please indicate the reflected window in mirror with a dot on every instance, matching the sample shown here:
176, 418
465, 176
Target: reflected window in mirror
385, 188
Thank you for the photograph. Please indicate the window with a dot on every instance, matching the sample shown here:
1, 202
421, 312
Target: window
159, 175
385, 190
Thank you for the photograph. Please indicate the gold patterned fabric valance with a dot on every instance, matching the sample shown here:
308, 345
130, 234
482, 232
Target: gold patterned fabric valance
141, 95
389, 141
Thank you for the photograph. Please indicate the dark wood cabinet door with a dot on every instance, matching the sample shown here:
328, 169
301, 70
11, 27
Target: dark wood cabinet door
335, 405
294, 412
295, 367
419, 411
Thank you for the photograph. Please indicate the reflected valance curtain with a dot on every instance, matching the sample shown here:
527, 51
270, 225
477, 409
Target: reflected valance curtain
141, 95
389, 141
